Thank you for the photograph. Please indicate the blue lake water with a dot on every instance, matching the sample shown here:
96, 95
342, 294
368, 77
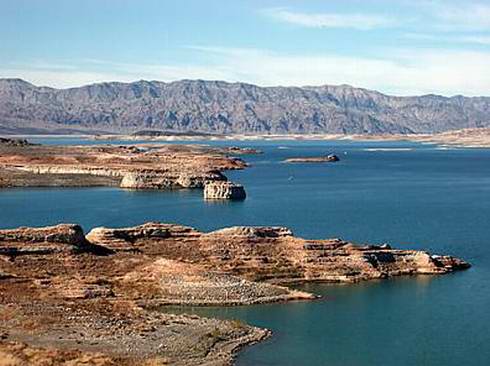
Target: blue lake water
406, 194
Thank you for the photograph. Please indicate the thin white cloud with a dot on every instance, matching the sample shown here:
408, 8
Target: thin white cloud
97, 71
460, 39
482, 40
330, 20
464, 16
60, 78
401, 72
436, 15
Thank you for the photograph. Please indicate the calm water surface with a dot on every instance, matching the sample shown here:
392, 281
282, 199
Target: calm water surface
410, 195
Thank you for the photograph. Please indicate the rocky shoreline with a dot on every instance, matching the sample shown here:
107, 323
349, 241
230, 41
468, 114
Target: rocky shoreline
469, 137
143, 166
71, 298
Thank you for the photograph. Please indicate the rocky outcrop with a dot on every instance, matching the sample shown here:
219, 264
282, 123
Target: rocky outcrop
284, 259
62, 233
273, 254
220, 107
51, 239
151, 180
252, 232
224, 190
131, 167
137, 237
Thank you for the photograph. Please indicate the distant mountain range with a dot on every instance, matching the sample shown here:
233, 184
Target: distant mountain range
222, 107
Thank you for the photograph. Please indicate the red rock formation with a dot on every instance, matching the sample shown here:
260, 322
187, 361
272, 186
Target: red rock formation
273, 253
65, 297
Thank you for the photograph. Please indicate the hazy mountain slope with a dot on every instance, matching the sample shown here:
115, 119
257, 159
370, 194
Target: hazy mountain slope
216, 106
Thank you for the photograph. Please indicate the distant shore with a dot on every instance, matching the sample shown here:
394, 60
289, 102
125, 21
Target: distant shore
470, 138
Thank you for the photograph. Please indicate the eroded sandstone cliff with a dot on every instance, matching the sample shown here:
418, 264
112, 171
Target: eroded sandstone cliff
273, 254
70, 298
134, 167
224, 190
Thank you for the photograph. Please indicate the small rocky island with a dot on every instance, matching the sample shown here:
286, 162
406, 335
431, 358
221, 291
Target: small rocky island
224, 190
144, 166
67, 298
330, 158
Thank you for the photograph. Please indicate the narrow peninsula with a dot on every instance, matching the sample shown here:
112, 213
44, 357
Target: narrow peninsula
143, 166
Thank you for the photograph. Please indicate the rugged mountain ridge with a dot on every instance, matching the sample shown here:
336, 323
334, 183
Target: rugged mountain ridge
222, 107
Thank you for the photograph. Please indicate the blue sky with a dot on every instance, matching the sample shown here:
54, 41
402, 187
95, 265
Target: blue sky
397, 47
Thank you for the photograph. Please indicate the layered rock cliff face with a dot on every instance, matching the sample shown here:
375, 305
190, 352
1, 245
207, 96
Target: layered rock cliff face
273, 254
135, 167
66, 301
224, 190
220, 107
66, 298
60, 234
